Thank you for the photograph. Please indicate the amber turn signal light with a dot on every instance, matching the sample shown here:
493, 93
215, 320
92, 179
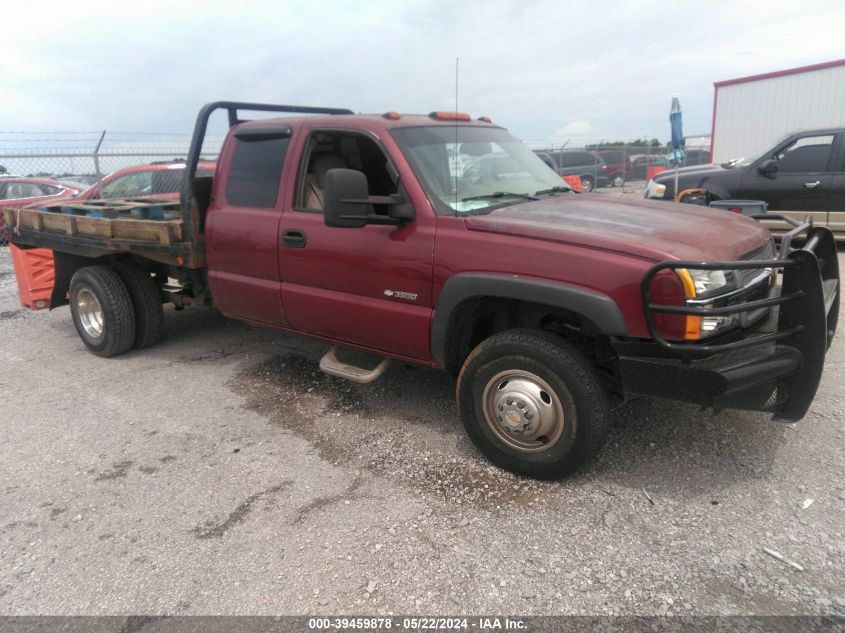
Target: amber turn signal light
692, 330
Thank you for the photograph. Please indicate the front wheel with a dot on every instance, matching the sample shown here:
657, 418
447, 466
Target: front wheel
533, 404
587, 183
618, 180
102, 310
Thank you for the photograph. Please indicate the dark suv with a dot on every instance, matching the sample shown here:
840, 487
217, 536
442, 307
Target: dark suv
802, 174
589, 166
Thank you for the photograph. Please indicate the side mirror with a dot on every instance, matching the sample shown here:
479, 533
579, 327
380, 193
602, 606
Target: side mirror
346, 203
768, 167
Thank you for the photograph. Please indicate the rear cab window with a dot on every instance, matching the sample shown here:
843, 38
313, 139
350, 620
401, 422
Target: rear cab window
256, 168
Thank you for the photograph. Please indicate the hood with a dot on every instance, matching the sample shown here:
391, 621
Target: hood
695, 170
649, 229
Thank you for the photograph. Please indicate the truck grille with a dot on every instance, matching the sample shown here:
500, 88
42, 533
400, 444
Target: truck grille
763, 252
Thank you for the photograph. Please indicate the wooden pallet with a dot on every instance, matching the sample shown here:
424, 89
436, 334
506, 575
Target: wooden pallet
141, 208
123, 226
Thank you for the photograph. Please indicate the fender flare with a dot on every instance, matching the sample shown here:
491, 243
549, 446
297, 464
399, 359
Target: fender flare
598, 308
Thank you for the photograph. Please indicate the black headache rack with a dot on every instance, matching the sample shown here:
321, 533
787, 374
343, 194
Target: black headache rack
775, 366
194, 192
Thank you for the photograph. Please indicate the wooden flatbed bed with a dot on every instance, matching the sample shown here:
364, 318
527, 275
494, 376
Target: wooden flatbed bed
150, 227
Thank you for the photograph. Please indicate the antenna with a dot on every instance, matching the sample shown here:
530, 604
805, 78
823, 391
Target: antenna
455, 153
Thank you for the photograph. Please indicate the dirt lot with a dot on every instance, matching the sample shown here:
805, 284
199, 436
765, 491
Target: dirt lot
221, 473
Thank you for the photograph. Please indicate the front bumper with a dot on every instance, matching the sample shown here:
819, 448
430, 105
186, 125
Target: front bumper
655, 191
774, 367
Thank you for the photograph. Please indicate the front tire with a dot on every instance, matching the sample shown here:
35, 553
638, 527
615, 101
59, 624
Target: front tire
533, 404
587, 183
102, 310
618, 180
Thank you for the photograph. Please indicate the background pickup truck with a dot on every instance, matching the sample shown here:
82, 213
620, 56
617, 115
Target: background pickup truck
801, 174
354, 230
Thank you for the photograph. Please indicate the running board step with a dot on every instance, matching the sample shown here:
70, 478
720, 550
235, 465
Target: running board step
330, 365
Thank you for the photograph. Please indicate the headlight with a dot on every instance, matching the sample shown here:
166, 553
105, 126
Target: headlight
655, 190
699, 286
711, 282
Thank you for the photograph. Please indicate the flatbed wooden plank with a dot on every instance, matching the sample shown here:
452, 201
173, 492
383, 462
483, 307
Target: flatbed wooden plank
159, 240
164, 232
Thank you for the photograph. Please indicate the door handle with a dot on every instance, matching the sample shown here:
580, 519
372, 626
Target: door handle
812, 185
293, 239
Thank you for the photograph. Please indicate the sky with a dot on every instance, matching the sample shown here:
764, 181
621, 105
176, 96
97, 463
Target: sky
553, 71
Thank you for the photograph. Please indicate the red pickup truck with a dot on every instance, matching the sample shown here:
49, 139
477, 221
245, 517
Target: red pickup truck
361, 231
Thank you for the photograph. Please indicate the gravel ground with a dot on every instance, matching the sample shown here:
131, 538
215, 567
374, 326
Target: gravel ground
221, 473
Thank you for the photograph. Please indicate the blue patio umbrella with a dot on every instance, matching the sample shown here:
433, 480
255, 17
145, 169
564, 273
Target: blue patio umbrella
676, 154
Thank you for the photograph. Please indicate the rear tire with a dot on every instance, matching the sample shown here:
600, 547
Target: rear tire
146, 303
102, 310
533, 404
618, 180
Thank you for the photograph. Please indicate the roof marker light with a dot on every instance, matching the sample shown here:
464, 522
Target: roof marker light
486, 119
393, 116
450, 116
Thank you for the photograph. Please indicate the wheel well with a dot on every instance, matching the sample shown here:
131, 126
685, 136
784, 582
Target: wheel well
716, 192
475, 320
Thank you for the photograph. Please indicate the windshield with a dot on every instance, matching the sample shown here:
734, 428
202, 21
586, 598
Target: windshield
473, 169
755, 156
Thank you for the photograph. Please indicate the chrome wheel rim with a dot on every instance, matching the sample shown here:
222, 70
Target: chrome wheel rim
523, 411
90, 313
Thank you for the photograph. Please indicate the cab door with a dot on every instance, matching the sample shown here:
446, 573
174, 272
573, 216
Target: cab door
801, 184
242, 225
369, 286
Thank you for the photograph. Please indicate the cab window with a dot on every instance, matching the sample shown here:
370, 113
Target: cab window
256, 171
806, 154
329, 150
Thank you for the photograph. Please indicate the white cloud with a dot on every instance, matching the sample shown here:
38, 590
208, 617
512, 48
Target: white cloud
533, 67
574, 128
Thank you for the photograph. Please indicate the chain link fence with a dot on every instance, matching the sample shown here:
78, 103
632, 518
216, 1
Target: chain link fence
79, 160
88, 156
41, 167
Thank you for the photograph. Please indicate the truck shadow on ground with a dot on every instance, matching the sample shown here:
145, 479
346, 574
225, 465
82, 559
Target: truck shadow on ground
405, 428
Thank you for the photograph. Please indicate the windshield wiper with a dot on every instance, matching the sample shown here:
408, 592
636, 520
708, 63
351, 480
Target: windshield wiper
555, 189
499, 194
